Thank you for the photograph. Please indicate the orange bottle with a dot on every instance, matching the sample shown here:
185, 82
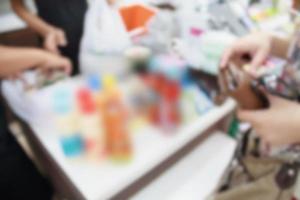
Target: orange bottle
118, 144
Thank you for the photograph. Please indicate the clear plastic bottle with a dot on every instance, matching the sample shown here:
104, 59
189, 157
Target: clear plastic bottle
91, 125
66, 121
170, 116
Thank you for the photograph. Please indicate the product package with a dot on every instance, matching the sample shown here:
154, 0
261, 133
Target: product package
279, 79
236, 83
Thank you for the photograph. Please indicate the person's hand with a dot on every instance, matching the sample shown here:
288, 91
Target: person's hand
54, 39
258, 46
278, 125
53, 61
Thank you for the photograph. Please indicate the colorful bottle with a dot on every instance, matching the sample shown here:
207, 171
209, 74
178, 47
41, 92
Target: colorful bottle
117, 139
91, 125
169, 115
66, 120
187, 100
95, 85
156, 84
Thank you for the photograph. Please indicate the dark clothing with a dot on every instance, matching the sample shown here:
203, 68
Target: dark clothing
19, 178
3, 122
69, 16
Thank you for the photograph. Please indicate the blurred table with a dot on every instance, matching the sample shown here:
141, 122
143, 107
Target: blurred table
195, 176
154, 153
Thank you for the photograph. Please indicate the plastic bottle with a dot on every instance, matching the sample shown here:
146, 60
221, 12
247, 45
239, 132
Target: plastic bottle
91, 125
95, 85
66, 120
187, 99
155, 82
168, 72
118, 143
169, 106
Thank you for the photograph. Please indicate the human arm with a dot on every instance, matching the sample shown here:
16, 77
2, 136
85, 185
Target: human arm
53, 37
277, 125
16, 60
259, 46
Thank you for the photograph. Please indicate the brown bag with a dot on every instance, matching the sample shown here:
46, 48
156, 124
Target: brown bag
253, 177
237, 84
259, 182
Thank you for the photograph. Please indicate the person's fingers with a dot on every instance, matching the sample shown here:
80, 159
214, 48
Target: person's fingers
50, 44
227, 55
50, 47
236, 49
239, 48
68, 66
258, 59
61, 38
64, 64
56, 62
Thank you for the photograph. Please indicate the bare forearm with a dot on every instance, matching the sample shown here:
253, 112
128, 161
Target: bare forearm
280, 47
15, 60
32, 20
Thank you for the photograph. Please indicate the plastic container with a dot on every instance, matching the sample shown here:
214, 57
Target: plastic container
118, 144
66, 120
91, 125
169, 115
